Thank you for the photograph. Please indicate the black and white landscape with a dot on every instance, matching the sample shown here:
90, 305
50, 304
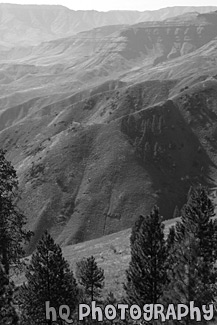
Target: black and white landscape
103, 124
105, 115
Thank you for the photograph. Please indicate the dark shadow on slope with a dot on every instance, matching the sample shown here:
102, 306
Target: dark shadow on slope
170, 152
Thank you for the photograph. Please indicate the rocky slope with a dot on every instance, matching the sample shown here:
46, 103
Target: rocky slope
99, 131
33, 24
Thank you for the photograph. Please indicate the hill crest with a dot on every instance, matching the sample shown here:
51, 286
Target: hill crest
33, 24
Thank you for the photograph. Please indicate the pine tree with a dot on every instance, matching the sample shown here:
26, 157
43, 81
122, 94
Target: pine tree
185, 282
91, 277
8, 315
192, 273
176, 212
146, 275
135, 229
48, 279
171, 238
12, 221
196, 217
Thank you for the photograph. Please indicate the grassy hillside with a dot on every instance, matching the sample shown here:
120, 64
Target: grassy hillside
112, 253
99, 133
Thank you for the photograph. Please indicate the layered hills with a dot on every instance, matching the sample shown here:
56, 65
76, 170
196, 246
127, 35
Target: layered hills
33, 24
104, 124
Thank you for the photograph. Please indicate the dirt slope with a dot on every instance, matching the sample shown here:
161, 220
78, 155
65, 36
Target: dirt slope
99, 138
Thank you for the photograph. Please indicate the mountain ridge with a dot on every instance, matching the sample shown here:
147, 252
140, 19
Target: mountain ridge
32, 24
99, 132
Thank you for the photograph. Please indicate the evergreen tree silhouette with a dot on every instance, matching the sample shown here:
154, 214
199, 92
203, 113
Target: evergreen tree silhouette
146, 275
192, 273
91, 277
49, 278
8, 315
12, 221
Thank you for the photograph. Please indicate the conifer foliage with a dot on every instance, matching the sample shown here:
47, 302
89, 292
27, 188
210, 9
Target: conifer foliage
196, 219
91, 277
8, 315
48, 279
182, 269
192, 273
186, 277
12, 221
146, 275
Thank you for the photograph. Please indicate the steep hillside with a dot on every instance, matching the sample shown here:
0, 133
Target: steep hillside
33, 24
112, 253
99, 131
89, 168
90, 58
171, 38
